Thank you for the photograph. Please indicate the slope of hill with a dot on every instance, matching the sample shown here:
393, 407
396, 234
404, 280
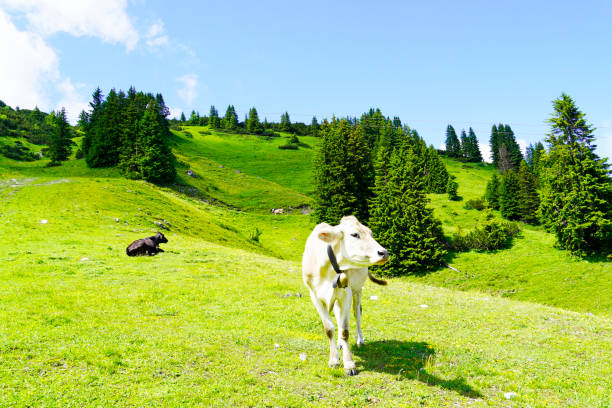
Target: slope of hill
209, 324
246, 171
219, 319
531, 269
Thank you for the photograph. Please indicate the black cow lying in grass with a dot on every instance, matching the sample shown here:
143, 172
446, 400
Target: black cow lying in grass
146, 246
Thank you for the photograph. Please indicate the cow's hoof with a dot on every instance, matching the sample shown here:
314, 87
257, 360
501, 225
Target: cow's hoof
350, 372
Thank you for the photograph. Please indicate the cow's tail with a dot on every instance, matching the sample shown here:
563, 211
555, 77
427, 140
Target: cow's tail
377, 281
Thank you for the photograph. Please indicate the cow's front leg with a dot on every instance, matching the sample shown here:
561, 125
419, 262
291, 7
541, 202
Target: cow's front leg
342, 310
359, 341
328, 326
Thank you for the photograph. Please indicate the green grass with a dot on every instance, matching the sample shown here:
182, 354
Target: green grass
259, 156
221, 320
206, 324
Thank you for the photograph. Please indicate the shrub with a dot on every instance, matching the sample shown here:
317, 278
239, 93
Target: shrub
18, 152
294, 139
53, 164
270, 133
205, 132
288, 147
255, 235
451, 189
476, 204
492, 234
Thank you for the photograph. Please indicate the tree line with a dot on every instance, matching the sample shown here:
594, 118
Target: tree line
130, 131
380, 171
251, 124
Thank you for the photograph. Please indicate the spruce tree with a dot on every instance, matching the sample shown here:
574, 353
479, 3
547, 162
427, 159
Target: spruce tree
513, 148
492, 192
183, 118
314, 127
230, 120
509, 194
576, 200
474, 151
59, 146
343, 173
285, 123
214, 122
436, 176
400, 219
529, 200
155, 161
252, 123
453, 147
465, 145
331, 173
494, 142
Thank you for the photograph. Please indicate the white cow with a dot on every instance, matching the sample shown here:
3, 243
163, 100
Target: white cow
335, 268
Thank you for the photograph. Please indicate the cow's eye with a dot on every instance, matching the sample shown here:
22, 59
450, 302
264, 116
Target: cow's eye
355, 235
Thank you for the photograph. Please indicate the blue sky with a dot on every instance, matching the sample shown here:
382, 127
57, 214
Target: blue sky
471, 63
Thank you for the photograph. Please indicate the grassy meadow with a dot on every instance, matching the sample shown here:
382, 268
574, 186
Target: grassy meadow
222, 317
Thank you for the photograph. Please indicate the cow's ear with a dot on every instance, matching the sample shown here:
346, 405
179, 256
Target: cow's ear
329, 234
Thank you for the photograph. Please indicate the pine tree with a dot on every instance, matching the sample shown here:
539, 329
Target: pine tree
230, 120
343, 173
129, 135
331, 173
183, 118
465, 145
252, 123
453, 147
83, 122
492, 192
400, 219
474, 151
513, 148
155, 161
95, 105
59, 146
529, 200
451, 189
576, 200
509, 193
314, 127
214, 122
436, 175
494, 142
285, 123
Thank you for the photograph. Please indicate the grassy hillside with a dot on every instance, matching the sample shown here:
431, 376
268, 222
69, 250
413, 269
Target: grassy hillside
532, 269
221, 318
206, 324
250, 172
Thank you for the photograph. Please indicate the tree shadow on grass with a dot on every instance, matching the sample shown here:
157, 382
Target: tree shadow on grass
408, 360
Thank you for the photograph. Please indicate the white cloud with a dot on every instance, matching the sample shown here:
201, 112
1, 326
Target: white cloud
175, 113
523, 145
155, 36
603, 140
107, 20
188, 92
485, 151
72, 99
28, 63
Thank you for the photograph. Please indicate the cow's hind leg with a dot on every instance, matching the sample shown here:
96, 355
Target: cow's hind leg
342, 310
359, 341
328, 326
